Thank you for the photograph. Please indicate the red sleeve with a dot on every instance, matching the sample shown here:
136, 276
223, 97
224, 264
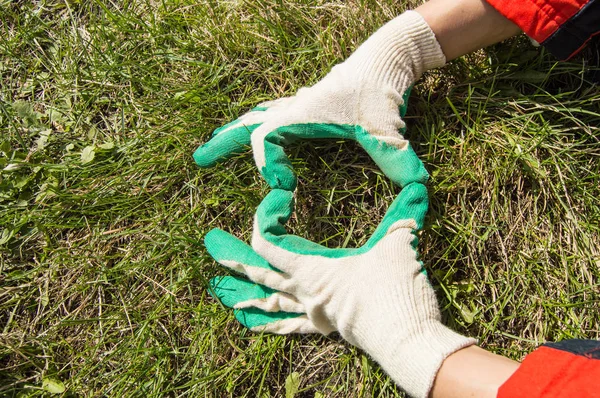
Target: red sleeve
567, 369
563, 26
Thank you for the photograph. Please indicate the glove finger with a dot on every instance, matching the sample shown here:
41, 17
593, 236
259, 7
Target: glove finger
234, 137
236, 292
271, 160
270, 239
408, 210
274, 303
410, 204
224, 145
223, 246
275, 322
233, 290
234, 254
395, 157
270, 139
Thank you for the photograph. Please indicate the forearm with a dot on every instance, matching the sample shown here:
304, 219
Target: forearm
472, 372
464, 26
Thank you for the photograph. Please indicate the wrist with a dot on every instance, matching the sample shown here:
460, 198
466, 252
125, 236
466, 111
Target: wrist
413, 359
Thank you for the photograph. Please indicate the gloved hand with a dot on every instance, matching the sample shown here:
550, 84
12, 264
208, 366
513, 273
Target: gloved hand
359, 99
376, 296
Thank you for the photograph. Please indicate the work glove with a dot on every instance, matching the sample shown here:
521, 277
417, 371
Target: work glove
377, 296
360, 99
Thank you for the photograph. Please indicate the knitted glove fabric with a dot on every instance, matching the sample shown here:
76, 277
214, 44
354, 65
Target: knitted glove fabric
361, 99
376, 296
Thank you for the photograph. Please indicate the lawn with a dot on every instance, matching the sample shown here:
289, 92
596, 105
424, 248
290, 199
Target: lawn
103, 273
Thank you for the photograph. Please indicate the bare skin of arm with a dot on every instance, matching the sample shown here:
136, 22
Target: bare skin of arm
464, 26
472, 372
461, 27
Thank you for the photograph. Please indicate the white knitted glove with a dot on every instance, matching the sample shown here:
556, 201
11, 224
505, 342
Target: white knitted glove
377, 296
360, 99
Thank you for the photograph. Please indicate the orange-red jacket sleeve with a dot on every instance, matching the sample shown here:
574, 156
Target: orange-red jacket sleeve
562, 26
567, 369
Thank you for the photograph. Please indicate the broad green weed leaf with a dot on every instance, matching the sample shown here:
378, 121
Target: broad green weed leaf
44, 299
5, 147
26, 112
366, 367
43, 139
92, 132
5, 236
292, 383
87, 155
47, 189
53, 386
467, 314
107, 145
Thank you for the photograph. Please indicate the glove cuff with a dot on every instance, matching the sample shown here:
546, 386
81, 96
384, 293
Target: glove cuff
398, 53
414, 361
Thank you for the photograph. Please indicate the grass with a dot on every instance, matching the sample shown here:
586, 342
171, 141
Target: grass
102, 212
